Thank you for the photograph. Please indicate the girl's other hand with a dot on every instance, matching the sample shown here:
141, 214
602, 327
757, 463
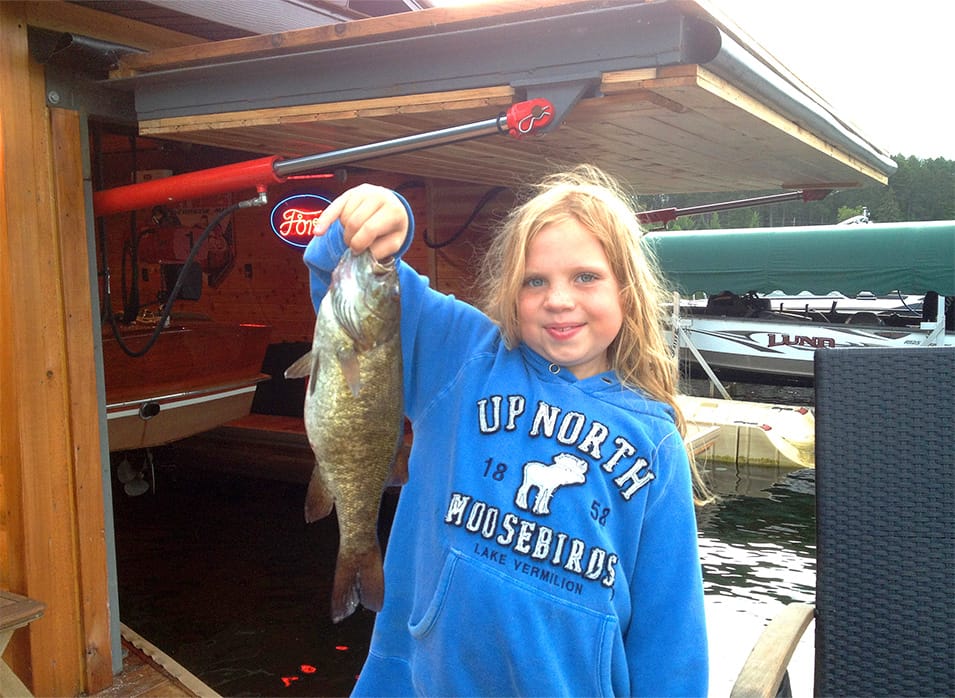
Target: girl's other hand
372, 218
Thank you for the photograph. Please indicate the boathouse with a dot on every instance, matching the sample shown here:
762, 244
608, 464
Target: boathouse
668, 94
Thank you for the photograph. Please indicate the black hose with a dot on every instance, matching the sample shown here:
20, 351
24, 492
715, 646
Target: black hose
484, 201
174, 293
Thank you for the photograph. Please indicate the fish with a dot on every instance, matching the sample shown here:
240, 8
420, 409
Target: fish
354, 419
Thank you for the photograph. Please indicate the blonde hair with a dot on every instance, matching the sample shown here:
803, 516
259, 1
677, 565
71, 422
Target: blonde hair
639, 355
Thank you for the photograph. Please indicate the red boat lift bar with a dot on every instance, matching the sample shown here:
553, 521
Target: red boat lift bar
521, 119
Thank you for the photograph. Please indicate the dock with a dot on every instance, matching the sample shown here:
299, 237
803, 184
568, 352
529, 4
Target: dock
755, 433
148, 671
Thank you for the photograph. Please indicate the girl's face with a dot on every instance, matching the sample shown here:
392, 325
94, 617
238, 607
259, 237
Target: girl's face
569, 307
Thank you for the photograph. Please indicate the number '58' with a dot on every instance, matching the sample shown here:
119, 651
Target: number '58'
598, 513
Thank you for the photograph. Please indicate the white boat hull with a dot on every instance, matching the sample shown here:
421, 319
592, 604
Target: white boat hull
161, 419
754, 346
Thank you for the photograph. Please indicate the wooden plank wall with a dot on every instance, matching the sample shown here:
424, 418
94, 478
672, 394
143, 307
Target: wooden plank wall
458, 249
268, 282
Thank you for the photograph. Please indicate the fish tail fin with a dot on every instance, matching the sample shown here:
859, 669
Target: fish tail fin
318, 499
358, 578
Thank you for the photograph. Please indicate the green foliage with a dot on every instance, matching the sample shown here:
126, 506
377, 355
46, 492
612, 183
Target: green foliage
846, 213
920, 190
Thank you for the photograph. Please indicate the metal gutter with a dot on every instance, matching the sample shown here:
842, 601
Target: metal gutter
742, 69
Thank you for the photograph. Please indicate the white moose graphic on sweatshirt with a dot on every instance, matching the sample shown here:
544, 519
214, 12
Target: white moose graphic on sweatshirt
566, 469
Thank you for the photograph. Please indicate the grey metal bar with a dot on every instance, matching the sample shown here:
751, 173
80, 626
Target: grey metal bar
308, 163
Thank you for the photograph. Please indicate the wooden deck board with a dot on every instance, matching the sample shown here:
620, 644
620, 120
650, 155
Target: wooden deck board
149, 672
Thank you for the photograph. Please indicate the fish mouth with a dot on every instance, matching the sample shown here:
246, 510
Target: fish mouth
380, 268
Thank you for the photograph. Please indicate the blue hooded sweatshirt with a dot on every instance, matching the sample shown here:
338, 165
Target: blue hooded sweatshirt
545, 544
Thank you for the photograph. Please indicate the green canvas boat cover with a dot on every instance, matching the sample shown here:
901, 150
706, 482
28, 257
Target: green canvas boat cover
910, 258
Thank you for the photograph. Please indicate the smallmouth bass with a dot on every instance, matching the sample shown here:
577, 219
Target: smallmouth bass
354, 419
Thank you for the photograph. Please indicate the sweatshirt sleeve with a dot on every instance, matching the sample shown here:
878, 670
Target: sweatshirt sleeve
324, 252
666, 645
438, 334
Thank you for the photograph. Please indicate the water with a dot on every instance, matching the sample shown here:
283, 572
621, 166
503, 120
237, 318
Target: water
757, 544
222, 573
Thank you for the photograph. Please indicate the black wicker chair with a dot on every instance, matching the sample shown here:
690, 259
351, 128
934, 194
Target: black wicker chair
885, 523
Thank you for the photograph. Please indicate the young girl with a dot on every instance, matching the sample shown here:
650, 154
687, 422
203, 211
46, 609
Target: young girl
545, 543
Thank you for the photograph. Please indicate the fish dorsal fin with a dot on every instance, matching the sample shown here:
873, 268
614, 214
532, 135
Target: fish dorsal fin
351, 371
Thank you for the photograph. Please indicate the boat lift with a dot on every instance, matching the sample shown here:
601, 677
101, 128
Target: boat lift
520, 120
667, 215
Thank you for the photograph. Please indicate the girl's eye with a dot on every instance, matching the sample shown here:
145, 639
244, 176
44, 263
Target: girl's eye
534, 282
587, 277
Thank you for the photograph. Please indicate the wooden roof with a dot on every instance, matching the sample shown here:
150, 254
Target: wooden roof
664, 94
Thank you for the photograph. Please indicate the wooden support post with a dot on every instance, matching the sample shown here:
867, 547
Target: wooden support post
52, 545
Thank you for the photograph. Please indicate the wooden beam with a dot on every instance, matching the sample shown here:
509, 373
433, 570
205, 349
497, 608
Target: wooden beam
373, 29
75, 271
766, 664
12, 563
697, 81
62, 16
732, 95
501, 97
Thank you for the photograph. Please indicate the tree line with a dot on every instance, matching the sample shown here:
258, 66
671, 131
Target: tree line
920, 190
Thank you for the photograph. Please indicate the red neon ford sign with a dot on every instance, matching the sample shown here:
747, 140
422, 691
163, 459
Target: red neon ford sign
293, 219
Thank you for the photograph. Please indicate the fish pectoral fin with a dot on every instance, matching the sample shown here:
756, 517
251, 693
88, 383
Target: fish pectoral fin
318, 499
359, 577
301, 368
399, 468
348, 361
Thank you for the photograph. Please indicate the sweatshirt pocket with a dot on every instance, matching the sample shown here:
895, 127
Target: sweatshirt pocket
485, 633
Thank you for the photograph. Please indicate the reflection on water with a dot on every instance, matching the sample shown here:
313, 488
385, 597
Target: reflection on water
223, 574
757, 543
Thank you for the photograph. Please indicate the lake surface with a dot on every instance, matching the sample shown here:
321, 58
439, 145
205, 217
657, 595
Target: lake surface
757, 544
222, 573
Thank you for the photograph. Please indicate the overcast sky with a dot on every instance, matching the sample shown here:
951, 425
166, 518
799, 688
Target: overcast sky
887, 67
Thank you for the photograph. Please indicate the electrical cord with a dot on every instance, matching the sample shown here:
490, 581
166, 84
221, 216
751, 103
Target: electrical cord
488, 197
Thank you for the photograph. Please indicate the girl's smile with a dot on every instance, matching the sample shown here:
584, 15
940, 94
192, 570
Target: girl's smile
569, 306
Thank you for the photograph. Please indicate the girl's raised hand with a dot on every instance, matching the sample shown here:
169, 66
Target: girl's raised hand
372, 218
